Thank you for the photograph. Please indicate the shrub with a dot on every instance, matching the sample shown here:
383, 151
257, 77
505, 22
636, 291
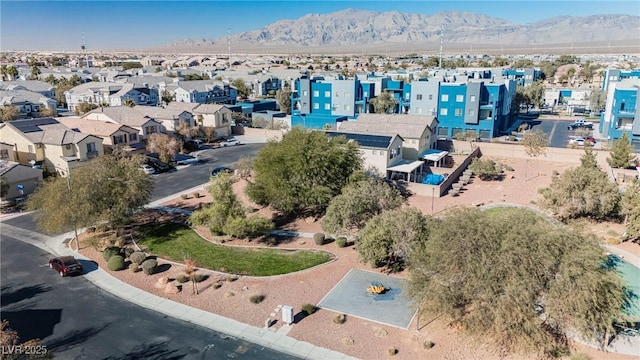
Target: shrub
231, 278
182, 278
200, 277
134, 267
184, 196
217, 285
256, 299
392, 351
318, 238
109, 252
138, 257
341, 241
150, 266
116, 263
128, 251
428, 344
196, 194
508, 168
580, 356
308, 309
340, 319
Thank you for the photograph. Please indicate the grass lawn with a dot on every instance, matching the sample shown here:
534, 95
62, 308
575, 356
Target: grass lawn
178, 242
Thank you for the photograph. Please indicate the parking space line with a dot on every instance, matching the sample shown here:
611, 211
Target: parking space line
553, 130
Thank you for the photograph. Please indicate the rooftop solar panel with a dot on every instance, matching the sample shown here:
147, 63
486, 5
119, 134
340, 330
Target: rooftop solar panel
31, 125
366, 140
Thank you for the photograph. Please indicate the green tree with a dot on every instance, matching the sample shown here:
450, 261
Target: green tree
226, 215
51, 79
4, 187
548, 69
242, 88
522, 64
597, 99
84, 107
359, 202
566, 60
129, 103
283, 97
500, 62
630, 210
535, 93
384, 103
11, 72
584, 191
244, 167
486, 169
35, 72
389, 238
9, 112
511, 277
621, 154
131, 65
303, 171
108, 189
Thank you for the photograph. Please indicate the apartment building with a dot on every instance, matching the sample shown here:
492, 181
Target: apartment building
622, 113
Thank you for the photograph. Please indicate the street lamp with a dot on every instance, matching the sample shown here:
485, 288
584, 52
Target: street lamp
75, 224
433, 195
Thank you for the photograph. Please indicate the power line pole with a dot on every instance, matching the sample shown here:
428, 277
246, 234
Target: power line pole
441, 44
84, 48
229, 45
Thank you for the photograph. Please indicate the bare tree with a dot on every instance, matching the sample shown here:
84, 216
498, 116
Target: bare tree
166, 146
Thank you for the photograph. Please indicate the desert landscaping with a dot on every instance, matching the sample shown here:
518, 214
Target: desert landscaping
231, 296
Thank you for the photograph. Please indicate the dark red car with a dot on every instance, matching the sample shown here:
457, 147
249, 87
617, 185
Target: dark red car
66, 265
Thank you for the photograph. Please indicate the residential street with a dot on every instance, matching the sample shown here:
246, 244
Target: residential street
77, 320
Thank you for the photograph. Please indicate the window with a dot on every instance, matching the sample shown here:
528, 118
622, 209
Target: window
347, 95
152, 129
30, 149
472, 98
430, 97
419, 97
443, 131
337, 94
316, 106
459, 98
458, 112
68, 146
373, 152
365, 94
327, 94
91, 147
304, 93
443, 111
444, 97
119, 139
133, 137
472, 112
327, 106
316, 93
4, 154
346, 107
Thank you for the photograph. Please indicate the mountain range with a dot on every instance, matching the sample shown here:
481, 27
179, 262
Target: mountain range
360, 28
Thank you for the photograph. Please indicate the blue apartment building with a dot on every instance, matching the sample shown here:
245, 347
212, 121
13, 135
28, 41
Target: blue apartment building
622, 113
523, 77
612, 76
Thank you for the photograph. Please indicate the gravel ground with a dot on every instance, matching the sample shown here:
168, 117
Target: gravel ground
356, 337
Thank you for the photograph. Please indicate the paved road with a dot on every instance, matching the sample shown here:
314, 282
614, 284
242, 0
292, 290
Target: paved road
557, 130
197, 174
77, 320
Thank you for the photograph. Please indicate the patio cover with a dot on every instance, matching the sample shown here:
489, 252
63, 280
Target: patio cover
433, 155
406, 166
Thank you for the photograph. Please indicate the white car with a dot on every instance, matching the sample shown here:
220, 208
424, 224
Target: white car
230, 142
148, 169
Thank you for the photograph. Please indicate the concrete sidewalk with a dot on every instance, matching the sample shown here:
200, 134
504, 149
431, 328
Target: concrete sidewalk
276, 340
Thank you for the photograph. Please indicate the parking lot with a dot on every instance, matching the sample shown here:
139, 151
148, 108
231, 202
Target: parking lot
557, 130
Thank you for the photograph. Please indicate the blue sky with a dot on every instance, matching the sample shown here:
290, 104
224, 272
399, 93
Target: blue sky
58, 25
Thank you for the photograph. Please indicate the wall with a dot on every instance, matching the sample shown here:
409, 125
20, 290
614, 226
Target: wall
22, 175
267, 134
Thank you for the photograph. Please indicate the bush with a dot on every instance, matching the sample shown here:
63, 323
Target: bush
256, 299
200, 277
231, 278
580, 356
150, 266
182, 278
134, 267
116, 263
428, 344
138, 257
196, 194
308, 309
318, 238
508, 168
110, 252
485, 169
217, 285
341, 241
184, 196
392, 351
128, 251
340, 319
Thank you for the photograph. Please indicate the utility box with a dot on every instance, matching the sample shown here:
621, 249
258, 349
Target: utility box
287, 314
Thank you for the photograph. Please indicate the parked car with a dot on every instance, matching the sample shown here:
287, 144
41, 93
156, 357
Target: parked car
148, 169
158, 165
220, 169
230, 142
512, 138
581, 141
580, 124
185, 159
66, 265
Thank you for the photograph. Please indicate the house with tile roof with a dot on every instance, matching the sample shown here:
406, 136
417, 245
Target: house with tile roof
207, 116
417, 131
41, 87
379, 152
22, 179
111, 94
128, 116
28, 103
47, 142
112, 134
170, 118
202, 91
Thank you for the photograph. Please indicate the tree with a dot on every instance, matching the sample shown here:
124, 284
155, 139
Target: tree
242, 88
164, 145
131, 65
283, 97
184, 130
358, 202
129, 103
47, 111
244, 167
303, 171
11, 72
621, 154
535, 144
166, 96
259, 122
51, 79
84, 107
9, 112
210, 133
584, 191
597, 99
226, 215
500, 61
108, 189
4, 186
35, 72
384, 103
630, 210
486, 169
511, 277
388, 238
